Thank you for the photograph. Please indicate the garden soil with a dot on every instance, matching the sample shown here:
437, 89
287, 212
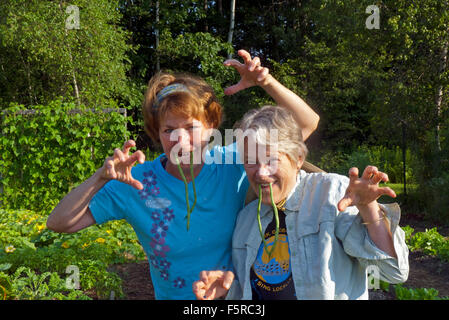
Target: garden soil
425, 272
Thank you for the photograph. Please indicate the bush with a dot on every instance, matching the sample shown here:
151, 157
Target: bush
387, 160
433, 195
46, 154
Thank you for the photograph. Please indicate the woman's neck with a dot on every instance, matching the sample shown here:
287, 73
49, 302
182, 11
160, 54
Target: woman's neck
173, 170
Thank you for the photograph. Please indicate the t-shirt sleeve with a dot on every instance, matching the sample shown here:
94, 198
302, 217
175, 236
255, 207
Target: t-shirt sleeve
108, 204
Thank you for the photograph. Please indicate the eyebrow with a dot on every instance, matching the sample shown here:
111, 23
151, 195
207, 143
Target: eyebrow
175, 127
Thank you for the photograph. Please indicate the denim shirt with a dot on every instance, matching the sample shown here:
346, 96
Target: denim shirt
330, 251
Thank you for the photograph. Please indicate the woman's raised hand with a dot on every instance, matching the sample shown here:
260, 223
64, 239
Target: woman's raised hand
363, 191
251, 72
119, 166
212, 284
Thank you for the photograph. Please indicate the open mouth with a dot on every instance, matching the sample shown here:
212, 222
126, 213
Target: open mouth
266, 186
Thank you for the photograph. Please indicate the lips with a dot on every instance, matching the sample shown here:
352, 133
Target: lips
266, 186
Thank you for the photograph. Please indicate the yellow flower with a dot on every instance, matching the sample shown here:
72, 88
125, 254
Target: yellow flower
85, 245
31, 220
10, 249
119, 243
109, 231
40, 227
100, 240
65, 245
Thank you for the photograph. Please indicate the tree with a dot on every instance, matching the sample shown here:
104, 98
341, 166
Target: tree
41, 59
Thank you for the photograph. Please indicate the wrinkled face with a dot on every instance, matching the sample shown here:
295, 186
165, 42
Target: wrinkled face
263, 168
179, 135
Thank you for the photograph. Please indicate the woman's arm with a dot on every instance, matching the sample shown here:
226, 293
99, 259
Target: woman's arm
363, 193
252, 74
72, 213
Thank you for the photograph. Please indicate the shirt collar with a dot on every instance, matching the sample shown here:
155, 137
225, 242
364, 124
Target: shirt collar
293, 198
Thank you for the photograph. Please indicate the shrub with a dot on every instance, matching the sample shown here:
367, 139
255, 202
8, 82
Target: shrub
46, 154
434, 199
387, 160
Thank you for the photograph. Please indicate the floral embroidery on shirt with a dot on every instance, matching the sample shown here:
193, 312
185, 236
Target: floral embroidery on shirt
149, 185
150, 178
159, 247
155, 215
159, 229
162, 215
179, 283
168, 214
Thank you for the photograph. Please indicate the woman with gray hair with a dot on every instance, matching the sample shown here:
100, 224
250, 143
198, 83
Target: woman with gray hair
308, 235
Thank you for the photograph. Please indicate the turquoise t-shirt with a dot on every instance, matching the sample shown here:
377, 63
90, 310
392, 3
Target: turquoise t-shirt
158, 215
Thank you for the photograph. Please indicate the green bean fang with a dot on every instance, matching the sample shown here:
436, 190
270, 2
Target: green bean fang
276, 215
189, 209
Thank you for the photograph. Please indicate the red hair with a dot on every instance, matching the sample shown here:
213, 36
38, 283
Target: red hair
199, 102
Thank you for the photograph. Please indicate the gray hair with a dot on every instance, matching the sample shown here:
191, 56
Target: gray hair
289, 135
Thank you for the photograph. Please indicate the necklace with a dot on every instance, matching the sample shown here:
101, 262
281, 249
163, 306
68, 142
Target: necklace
281, 204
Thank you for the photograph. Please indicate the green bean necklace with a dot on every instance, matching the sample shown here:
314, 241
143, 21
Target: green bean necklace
276, 215
189, 209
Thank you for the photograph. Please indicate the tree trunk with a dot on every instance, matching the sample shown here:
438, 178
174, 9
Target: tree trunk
220, 7
75, 82
231, 25
206, 25
156, 32
439, 96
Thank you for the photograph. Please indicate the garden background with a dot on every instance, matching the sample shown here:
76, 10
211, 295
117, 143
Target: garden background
73, 75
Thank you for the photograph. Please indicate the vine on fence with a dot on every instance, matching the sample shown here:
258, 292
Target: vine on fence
48, 152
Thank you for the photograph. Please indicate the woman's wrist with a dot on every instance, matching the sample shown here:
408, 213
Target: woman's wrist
371, 213
99, 178
267, 83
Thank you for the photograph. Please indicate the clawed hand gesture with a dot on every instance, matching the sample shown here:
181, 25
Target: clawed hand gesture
212, 284
119, 166
363, 191
251, 72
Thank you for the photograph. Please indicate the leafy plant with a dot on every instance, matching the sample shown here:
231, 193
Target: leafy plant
34, 260
46, 154
403, 293
429, 241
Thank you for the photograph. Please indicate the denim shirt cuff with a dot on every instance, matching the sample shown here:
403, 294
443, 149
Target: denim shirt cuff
358, 244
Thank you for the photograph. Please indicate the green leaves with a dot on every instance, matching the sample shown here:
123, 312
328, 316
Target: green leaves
403, 293
47, 153
34, 260
42, 60
429, 241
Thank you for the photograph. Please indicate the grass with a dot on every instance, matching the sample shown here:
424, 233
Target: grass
398, 188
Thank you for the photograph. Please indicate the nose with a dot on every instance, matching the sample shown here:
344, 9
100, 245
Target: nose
263, 170
184, 138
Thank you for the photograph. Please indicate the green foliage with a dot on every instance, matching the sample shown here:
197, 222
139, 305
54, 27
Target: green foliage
434, 178
199, 53
403, 293
430, 242
34, 260
388, 160
46, 154
42, 60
